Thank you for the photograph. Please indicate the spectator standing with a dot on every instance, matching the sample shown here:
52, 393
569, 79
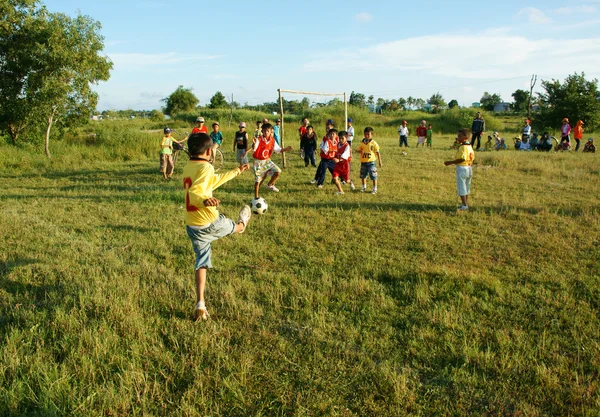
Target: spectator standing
477, 129
578, 133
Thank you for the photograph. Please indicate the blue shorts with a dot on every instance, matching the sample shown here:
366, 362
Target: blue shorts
368, 168
203, 236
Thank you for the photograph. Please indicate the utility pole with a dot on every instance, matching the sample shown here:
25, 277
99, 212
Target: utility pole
531, 84
230, 111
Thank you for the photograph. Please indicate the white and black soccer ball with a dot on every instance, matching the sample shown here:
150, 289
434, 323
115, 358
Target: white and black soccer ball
259, 205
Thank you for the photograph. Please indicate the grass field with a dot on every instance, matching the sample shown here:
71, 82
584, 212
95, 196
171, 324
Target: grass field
357, 305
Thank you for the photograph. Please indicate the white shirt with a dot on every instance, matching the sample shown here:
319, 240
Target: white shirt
403, 130
350, 133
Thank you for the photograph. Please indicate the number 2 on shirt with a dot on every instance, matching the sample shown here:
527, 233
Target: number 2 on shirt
187, 183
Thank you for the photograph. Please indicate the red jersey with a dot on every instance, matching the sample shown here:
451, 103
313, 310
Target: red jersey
331, 146
202, 129
421, 131
302, 131
264, 148
344, 152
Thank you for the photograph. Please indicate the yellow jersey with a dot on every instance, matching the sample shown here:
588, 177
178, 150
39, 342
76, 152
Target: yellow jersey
465, 151
199, 181
165, 144
368, 151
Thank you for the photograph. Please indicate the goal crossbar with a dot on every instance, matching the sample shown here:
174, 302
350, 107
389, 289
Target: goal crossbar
311, 93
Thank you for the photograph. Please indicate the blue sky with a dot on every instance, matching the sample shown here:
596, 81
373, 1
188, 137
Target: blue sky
386, 48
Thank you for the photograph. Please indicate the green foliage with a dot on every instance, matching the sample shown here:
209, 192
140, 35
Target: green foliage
437, 101
218, 101
576, 98
521, 98
488, 101
157, 116
452, 104
357, 99
180, 100
48, 61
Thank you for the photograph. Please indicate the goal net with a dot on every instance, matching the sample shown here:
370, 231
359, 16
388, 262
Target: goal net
305, 93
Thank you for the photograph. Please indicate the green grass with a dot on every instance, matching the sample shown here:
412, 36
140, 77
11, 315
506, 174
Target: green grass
354, 305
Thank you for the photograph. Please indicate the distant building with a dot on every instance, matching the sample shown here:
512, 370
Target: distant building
476, 104
500, 107
374, 109
97, 117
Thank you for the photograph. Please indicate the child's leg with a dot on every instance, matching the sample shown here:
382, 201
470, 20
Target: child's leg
338, 184
200, 284
273, 179
375, 184
464, 199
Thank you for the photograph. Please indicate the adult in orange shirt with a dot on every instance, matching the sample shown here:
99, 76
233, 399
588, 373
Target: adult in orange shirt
578, 133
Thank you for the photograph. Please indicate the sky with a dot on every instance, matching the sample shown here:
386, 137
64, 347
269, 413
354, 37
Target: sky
384, 48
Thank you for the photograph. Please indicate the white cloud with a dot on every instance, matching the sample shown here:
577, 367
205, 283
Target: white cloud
583, 9
473, 56
534, 16
364, 17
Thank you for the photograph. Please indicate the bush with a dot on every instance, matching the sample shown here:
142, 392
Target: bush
457, 118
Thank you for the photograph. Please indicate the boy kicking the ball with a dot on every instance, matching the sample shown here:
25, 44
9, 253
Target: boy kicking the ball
203, 222
263, 147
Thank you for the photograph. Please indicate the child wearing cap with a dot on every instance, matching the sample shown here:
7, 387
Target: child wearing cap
464, 172
350, 131
240, 145
403, 132
276, 133
200, 126
589, 146
421, 133
215, 135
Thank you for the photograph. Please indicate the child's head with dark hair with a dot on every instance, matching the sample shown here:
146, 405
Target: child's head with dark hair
198, 143
332, 132
369, 129
267, 129
343, 135
463, 135
258, 123
309, 129
430, 125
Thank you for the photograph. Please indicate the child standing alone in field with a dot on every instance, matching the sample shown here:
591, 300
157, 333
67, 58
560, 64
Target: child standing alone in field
464, 172
203, 222
240, 145
369, 153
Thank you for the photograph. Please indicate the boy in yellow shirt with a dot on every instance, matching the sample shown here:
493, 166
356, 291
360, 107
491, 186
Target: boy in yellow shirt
203, 222
369, 153
464, 172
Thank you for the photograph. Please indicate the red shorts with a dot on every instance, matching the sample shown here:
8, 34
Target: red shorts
342, 170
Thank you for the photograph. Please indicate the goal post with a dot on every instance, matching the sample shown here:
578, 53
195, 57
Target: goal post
306, 93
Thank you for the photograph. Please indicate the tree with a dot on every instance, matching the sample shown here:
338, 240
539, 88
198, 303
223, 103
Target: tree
419, 103
180, 100
453, 103
488, 101
410, 102
371, 100
576, 98
357, 99
49, 62
218, 101
521, 99
380, 102
157, 116
436, 101
402, 103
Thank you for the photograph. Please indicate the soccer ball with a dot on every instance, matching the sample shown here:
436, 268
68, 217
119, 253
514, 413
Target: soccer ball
404, 153
259, 205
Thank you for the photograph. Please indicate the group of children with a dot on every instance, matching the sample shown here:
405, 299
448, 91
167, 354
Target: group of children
424, 134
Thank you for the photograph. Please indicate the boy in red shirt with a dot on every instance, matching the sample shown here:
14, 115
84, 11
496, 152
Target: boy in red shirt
342, 160
263, 147
422, 133
200, 126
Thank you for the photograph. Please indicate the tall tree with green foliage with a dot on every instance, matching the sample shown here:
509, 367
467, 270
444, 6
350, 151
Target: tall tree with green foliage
436, 101
521, 98
48, 64
357, 99
576, 98
452, 104
218, 101
488, 101
180, 100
